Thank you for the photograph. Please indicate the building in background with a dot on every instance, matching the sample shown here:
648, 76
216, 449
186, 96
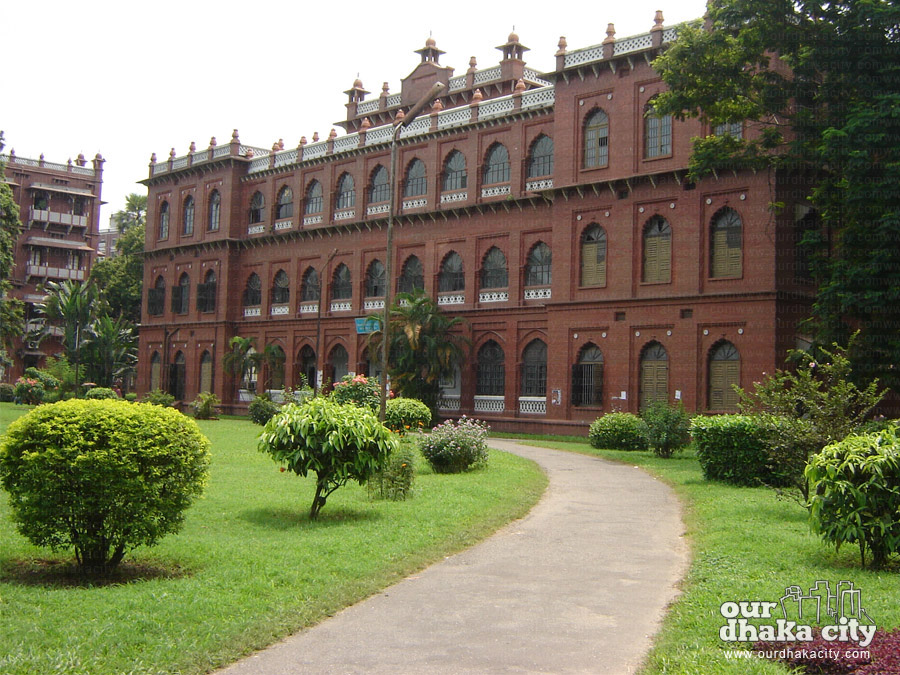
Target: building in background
551, 210
59, 206
107, 238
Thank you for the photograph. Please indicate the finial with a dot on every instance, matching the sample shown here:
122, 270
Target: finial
473, 65
430, 42
520, 85
610, 34
250, 153
562, 45
81, 161
385, 88
315, 136
69, 162
281, 144
332, 135
234, 135
99, 157
437, 106
193, 147
42, 157
658, 20
275, 146
477, 96
172, 153
212, 142
153, 158
303, 141
512, 36
365, 123
400, 116
357, 83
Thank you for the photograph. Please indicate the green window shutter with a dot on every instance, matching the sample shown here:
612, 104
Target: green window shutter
664, 256
651, 259
717, 385
719, 254
732, 376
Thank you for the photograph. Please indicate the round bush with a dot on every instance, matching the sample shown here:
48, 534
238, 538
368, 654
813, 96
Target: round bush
101, 477
7, 392
453, 447
29, 391
619, 431
98, 393
159, 397
668, 428
262, 408
406, 414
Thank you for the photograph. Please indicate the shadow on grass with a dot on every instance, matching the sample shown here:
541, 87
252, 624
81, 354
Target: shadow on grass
54, 573
288, 519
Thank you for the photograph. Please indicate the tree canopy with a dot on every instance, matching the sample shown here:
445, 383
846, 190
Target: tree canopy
134, 214
120, 279
12, 321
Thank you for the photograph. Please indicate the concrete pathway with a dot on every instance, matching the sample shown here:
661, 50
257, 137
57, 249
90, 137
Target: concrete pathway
577, 586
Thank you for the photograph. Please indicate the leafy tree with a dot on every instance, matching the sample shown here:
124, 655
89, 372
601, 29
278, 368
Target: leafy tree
817, 85
241, 359
424, 346
12, 316
111, 350
120, 279
71, 305
134, 214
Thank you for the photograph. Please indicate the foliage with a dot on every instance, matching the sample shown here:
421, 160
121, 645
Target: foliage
120, 278
880, 657
47, 380
110, 350
131, 397
425, 346
358, 390
29, 391
262, 408
395, 480
855, 487
159, 397
72, 306
668, 427
102, 477
406, 414
134, 215
619, 431
241, 359
826, 107
819, 390
12, 316
731, 448
337, 442
7, 392
456, 446
205, 405
59, 367
789, 444
99, 393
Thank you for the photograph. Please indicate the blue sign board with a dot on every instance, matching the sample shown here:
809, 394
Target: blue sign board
366, 325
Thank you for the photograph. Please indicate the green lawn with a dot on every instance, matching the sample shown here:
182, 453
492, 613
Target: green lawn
747, 545
248, 568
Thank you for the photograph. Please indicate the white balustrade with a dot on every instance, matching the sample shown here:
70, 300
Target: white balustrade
537, 293
312, 220
536, 185
450, 197
493, 296
309, 308
544, 97
252, 311
414, 204
489, 404
369, 305
632, 44
365, 107
533, 405
495, 191
283, 224
344, 215
341, 306
256, 229
375, 210
280, 310
449, 402
496, 108
488, 75
452, 299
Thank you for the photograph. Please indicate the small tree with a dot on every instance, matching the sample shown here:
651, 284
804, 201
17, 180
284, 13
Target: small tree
668, 427
241, 359
101, 477
337, 442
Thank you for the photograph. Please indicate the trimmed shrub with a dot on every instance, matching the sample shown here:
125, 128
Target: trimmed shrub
205, 405
100, 393
29, 391
131, 397
454, 447
101, 477
855, 487
159, 397
619, 431
7, 392
337, 442
395, 481
668, 428
47, 380
358, 390
262, 408
406, 414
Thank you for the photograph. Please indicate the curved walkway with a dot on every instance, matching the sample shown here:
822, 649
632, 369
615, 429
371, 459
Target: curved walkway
579, 585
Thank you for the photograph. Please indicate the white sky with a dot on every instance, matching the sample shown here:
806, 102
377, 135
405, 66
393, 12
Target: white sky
127, 79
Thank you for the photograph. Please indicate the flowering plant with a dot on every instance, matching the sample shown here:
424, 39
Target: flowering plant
361, 391
29, 391
456, 446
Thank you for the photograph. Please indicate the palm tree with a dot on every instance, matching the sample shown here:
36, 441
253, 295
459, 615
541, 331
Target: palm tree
111, 350
133, 214
241, 359
71, 305
425, 346
273, 356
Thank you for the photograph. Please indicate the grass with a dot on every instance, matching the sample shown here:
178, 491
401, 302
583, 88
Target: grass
747, 545
248, 568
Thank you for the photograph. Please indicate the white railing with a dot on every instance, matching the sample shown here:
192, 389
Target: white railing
312, 220
314, 150
537, 293
345, 143
454, 197
252, 311
283, 224
393, 100
670, 34
535, 76
488, 75
201, 156
160, 168
364, 107
380, 134
454, 117
309, 308
259, 164
493, 296
223, 151
54, 272
344, 215
256, 229
632, 44
535, 185
45, 216
83, 171
369, 305
341, 306
583, 56
375, 210
449, 402
489, 404
286, 157
539, 98
280, 310
414, 204
496, 108
456, 83
420, 126
452, 299
179, 163
495, 191
533, 405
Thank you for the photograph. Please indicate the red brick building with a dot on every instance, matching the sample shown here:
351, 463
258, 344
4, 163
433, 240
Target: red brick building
60, 213
551, 210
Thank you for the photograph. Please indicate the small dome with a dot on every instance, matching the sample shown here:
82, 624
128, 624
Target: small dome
357, 83
430, 42
512, 37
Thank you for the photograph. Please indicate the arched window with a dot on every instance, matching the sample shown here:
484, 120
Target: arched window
657, 251
593, 256
451, 277
490, 377
412, 276
187, 217
285, 207
206, 294
375, 280
587, 377
380, 189
181, 295
314, 201
415, 184
657, 133
206, 372
309, 291
163, 228
346, 193
155, 372
454, 172
281, 289
538, 266
308, 365
257, 208
253, 291
725, 245
540, 163
654, 381
724, 376
496, 165
596, 140
493, 269
215, 211
156, 297
341, 284
275, 366
340, 363
534, 369
177, 376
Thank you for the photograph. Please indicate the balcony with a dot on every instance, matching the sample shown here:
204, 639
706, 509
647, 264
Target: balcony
54, 272
55, 217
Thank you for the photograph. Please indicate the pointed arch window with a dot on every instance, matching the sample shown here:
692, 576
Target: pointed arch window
155, 372
540, 163
206, 372
285, 206
538, 266
206, 293
177, 376
346, 193
587, 377
253, 291
380, 190
340, 363
341, 285
412, 276
281, 289
314, 200
187, 217
593, 256
496, 165
596, 140
416, 184
257, 208
657, 133
451, 277
724, 376
181, 295
493, 270
215, 211
455, 177
657, 251
725, 243
309, 291
375, 280
275, 366
156, 297
308, 366
534, 369
163, 225
654, 382
490, 379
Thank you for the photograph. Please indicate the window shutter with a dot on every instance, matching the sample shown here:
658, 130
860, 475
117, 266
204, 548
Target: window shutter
664, 258
731, 376
597, 374
651, 259
717, 385
720, 254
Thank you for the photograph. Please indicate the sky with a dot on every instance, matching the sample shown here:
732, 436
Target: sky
129, 79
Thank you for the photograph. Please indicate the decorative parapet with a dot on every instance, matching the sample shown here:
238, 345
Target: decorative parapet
283, 225
450, 197
378, 209
342, 306
493, 296
410, 204
537, 185
495, 191
259, 228
12, 158
345, 215
312, 220
489, 404
537, 293
629, 45
449, 402
369, 305
309, 308
451, 299
250, 312
533, 405
280, 310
